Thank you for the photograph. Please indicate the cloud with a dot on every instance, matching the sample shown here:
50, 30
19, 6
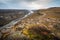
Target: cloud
25, 4
36, 4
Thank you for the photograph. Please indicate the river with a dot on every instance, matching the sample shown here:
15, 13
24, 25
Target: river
12, 23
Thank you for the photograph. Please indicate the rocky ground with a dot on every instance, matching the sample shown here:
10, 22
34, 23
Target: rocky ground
37, 26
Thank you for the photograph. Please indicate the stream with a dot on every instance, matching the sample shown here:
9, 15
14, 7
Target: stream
12, 23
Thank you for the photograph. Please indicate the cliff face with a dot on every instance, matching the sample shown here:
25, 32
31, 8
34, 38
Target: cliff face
41, 25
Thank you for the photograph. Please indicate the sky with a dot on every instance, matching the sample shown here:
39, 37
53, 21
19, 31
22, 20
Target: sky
28, 4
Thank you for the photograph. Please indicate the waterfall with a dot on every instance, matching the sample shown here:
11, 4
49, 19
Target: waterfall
12, 23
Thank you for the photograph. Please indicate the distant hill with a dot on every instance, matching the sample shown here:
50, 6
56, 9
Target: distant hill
11, 14
51, 12
55, 8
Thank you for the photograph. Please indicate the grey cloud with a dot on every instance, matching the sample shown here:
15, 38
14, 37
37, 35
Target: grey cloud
24, 3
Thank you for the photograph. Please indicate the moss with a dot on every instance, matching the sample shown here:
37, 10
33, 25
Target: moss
36, 34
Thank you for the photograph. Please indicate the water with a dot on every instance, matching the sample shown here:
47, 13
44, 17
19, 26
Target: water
12, 23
